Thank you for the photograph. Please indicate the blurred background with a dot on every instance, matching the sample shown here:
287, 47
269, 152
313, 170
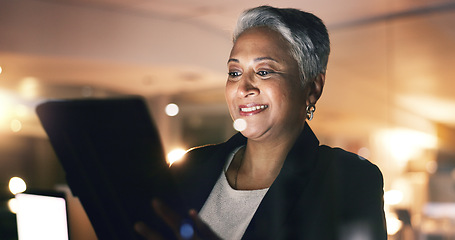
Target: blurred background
389, 94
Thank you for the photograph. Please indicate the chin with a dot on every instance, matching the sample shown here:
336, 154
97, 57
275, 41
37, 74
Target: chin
252, 133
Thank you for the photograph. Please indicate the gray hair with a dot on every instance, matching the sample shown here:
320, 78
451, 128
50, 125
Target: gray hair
307, 36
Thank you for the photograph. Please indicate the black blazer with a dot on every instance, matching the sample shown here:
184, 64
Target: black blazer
320, 193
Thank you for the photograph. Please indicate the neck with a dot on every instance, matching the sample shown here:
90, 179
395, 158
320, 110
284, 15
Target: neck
266, 157
259, 163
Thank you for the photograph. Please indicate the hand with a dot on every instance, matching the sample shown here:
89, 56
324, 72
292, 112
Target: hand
182, 230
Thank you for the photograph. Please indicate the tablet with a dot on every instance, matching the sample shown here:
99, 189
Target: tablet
42, 215
114, 162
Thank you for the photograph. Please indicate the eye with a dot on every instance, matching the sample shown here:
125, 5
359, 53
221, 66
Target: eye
234, 74
265, 73
262, 73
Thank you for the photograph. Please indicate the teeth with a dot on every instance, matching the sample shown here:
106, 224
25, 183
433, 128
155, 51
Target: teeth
251, 109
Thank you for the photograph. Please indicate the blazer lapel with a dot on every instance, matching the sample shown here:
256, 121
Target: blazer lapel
196, 179
280, 200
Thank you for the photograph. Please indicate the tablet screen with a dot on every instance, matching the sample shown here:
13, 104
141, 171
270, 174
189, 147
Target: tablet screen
113, 159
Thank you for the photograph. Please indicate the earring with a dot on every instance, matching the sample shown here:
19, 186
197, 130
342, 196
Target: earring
310, 111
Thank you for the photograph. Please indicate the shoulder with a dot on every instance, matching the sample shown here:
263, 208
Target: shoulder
196, 156
352, 170
201, 153
348, 161
359, 185
207, 154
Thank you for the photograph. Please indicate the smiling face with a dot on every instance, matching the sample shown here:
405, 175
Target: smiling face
263, 85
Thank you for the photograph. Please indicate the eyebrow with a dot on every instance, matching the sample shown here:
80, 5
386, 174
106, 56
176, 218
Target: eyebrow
232, 60
256, 59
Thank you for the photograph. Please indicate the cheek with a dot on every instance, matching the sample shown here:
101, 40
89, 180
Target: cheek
290, 97
280, 93
296, 91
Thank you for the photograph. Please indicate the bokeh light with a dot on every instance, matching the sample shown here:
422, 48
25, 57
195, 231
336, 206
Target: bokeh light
17, 185
393, 197
364, 153
403, 144
431, 167
87, 91
21, 110
175, 155
393, 224
5, 107
172, 109
186, 231
240, 124
12, 205
15, 125
29, 87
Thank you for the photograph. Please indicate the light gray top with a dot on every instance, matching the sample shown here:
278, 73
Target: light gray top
228, 211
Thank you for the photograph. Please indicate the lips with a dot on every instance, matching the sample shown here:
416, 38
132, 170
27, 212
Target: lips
247, 110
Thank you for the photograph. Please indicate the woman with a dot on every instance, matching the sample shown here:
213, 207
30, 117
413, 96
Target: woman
274, 180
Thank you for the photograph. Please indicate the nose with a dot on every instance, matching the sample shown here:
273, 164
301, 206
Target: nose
247, 87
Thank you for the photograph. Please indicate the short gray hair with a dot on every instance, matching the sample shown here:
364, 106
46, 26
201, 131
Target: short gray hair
307, 36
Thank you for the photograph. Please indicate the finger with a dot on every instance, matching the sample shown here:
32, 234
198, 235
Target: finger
170, 217
146, 232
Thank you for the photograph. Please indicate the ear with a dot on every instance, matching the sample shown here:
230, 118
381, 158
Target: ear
315, 89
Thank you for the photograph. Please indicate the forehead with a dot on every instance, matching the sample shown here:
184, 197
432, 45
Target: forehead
261, 40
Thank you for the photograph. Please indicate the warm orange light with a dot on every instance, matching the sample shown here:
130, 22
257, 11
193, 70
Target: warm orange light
15, 125
21, 110
12, 205
5, 106
431, 167
403, 144
393, 197
393, 224
17, 185
29, 87
175, 155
